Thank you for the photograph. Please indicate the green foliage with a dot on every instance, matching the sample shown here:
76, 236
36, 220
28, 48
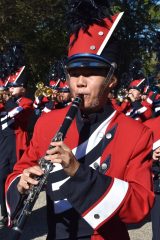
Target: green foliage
39, 26
139, 31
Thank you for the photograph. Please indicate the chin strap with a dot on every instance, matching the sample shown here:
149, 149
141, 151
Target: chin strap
109, 77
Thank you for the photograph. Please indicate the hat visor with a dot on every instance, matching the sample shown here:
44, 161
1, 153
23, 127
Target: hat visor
16, 85
54, 87
87, 61
65, 90
137, 88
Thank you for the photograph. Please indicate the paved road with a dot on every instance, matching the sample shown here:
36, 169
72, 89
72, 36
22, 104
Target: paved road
36, 228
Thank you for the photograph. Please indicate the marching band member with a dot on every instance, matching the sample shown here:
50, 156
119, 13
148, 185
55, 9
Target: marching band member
64, 95
15, 114
102, 178
154, 96
56, 95
134, 106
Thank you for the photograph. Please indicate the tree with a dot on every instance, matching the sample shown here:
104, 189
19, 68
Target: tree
139, 30
39, 25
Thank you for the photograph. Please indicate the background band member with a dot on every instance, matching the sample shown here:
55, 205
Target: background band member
101, 179
55, 94
133, 105
15, 113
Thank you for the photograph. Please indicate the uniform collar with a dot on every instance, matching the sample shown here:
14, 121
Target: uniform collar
95, 117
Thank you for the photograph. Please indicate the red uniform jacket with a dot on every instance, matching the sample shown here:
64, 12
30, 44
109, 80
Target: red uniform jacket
154, 125
113, 185
17, 119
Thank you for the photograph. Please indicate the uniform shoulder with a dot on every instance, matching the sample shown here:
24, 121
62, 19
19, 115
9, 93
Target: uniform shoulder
56, 116
153, 123
26, 100
132, 125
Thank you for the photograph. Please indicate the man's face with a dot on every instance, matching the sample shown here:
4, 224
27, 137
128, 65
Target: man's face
17, 91
65, 96
90, 84
135, 94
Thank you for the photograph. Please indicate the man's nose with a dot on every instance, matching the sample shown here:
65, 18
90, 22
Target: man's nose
81, 81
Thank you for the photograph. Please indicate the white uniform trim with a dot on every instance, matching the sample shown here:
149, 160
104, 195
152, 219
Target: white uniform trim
37, 100
149, 100
35, 105
4, 118
110, 33
141, 110
128, 113
156, 144
19, 73
7, 205
93, 140
46, 110
109, 204
157, 109
140, 82
79, 152
15, 111
57, 185
8, 123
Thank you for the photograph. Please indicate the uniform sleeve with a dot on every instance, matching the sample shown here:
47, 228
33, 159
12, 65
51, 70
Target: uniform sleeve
99, 198
138, 174
43, 103
142, 111
28, 159
23, 116
15, 110
125, 106
12, 108
38, 101
6, 116
117, 105
145, 111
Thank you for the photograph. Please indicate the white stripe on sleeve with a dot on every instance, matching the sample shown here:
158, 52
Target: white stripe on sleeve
15, 111
109, 204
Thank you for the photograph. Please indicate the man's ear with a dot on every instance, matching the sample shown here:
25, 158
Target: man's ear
113, 82
23, 90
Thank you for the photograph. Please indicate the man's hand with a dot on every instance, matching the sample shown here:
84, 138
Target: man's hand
156, 154
63, 155
27, 178
131, 97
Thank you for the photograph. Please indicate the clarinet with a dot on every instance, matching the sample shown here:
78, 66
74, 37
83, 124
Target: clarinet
47, 166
